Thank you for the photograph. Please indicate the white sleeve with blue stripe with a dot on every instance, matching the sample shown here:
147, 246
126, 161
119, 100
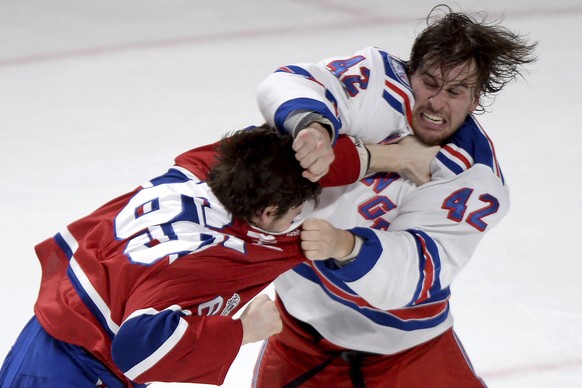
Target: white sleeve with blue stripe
346, 92
433, 237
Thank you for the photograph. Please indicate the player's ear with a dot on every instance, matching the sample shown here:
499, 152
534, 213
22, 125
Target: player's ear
268, 214
476, 99
266, 217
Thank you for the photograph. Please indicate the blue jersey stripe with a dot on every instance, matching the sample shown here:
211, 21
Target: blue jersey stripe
475, 142
63, 245
450, 164
393, 102
305, 104
371, 250
78, 286
293, 69
91, 305
141, 336
433, 255
380, 317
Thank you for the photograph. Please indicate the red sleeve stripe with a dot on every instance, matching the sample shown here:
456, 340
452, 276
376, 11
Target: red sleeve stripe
393, 86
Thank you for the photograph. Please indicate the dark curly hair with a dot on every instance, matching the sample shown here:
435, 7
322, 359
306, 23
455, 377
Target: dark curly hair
454, 38
256, 168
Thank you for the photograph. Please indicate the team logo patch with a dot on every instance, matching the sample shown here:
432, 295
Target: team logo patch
230, 304
399, 69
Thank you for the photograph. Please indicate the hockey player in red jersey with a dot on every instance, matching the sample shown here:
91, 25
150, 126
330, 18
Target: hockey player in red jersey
380, 316
144, 288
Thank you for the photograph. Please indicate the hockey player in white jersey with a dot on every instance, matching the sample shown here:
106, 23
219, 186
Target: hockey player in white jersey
379, 316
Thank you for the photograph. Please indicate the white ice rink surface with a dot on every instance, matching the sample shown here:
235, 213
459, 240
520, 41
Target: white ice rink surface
97, 97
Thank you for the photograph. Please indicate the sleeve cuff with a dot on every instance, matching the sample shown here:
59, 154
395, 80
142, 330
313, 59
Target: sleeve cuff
301, 120
342, 262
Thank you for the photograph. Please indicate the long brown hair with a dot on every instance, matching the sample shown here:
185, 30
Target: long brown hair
454, 38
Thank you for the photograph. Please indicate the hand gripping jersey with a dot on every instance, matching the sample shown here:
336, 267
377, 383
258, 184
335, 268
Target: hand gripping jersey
395, 294
148, 282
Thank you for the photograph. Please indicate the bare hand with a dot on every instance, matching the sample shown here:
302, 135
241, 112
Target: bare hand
320, 240
409, 157
260, 320
418, 157
313, 150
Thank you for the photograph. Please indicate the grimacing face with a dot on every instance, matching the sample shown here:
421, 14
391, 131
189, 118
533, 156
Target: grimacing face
442, 101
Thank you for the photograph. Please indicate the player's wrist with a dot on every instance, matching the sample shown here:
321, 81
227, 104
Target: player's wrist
384, 158
350, 257
363, 155
298, 121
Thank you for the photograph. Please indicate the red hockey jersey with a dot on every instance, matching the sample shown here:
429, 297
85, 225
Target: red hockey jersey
148, 282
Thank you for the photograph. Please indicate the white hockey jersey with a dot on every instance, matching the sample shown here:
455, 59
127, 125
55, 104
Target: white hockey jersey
395, 294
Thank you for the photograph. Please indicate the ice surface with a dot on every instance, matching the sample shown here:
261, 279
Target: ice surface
96, 97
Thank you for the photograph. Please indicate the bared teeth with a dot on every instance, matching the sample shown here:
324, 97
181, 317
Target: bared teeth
432, 118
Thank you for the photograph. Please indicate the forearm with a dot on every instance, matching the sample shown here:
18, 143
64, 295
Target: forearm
356, 247
196, 343
292, 96
409, 157
346, 244
384, 158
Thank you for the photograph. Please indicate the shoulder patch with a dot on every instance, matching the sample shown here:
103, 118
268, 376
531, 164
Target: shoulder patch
399, 69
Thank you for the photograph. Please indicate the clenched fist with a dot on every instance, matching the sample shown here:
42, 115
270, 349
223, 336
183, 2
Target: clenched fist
260, 320
313, 150
320, 240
